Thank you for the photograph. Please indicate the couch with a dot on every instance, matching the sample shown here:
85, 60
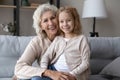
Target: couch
104, 59
11, 48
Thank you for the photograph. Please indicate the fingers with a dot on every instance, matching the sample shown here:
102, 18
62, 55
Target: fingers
64, 77
61, 76
67, 76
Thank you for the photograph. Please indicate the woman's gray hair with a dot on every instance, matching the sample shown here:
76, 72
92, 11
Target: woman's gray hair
38, 13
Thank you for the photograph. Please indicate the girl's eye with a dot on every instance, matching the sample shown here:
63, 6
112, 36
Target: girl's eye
61, 21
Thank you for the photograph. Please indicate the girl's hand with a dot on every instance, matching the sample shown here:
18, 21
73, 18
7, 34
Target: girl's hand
56, 75
70, 76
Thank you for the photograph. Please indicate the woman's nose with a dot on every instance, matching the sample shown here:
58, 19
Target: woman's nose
50, 22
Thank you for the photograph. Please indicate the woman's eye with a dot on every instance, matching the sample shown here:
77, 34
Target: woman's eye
69, 20
52, 18
45, 20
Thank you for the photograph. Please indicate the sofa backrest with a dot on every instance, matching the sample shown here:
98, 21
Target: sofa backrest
11, 48
103, 51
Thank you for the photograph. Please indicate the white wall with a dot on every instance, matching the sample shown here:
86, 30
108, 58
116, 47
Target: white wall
109, 27
106, 27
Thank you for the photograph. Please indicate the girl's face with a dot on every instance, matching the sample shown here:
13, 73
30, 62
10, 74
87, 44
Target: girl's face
49, 23
66, 22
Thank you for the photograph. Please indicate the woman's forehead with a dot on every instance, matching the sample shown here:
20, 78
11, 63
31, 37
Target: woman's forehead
47, 14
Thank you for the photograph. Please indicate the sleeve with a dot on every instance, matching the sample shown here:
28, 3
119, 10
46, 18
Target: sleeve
23, 67
85, 55
49, 55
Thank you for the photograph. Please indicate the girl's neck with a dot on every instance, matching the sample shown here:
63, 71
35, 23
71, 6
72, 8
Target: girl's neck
70, 35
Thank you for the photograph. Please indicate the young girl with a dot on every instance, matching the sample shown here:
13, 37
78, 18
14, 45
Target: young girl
69, 53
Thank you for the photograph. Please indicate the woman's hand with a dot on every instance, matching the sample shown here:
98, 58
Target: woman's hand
14, 77
56, 75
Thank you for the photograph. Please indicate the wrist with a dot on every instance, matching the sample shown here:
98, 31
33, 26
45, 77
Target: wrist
46, 73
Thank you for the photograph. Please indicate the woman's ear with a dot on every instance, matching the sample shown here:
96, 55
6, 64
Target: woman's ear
40, 26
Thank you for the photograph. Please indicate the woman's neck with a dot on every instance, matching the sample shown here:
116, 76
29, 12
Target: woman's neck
51, 37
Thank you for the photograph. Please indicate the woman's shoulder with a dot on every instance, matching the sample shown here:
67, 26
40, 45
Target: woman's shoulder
36, 39
58, 37
39, 39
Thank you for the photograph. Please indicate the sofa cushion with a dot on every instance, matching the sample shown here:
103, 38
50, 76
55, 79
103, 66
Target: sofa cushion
5, 78
100, 77
97, 65
23, 42
103, 51
116, 78
7, 66
112, 68
102, 46
11, 48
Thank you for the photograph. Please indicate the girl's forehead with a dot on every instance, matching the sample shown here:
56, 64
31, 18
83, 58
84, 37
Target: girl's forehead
66, 14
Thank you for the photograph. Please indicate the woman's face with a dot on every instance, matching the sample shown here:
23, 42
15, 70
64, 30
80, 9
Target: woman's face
49, 23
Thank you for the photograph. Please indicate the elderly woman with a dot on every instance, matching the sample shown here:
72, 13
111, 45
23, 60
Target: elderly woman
46, 27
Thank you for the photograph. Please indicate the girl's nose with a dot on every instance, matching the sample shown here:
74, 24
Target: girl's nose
65, 23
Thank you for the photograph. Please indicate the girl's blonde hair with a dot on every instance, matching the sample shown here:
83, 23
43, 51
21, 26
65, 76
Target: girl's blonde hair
75, 15
41, 9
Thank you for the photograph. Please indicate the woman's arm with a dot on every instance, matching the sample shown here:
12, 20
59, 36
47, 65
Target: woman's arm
24, 68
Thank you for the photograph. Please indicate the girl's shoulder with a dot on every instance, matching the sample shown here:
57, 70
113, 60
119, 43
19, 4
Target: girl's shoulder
58, 38
81, 36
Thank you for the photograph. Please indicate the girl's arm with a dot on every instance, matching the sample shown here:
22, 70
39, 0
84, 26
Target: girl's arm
85, 55
49, 55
